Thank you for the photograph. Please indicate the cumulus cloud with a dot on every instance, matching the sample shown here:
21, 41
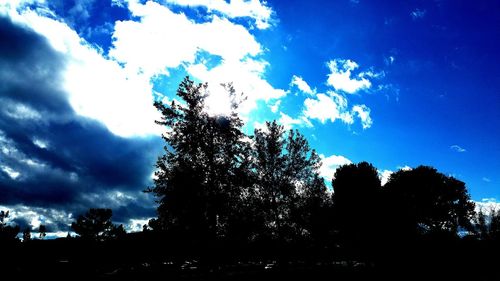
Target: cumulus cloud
340, 76
363, 113
384, 176
51, 157
247, 77
302, 85
145, 46
254, 9
94, 83
486, 205
143, 50
327, 107
334, 104
457, 148
330, 165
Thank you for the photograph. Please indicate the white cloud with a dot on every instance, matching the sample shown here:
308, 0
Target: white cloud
384, 176
149, 46
94, 83
330, 165
363, 112
40, 143
247, 76
457, 148
302, 85
136, 225
340, 76
389, 60
13, 174
20, 111
485, 179
327, 107
486, 205
274, 107
146, 46
405, 168
36, 215
254, 9
288, 121
155, 41
260, 126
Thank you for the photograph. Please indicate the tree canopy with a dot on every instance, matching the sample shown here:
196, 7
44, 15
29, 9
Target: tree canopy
430, 201
7, 231
96, 225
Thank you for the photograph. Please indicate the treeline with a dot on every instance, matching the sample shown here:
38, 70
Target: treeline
225, 197
215, 183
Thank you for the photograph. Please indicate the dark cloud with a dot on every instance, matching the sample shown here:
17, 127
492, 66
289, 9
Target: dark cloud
51, 158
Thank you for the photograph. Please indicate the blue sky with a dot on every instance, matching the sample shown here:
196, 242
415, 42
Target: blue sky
395, 83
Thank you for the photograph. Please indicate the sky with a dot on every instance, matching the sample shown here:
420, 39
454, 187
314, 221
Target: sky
395, 83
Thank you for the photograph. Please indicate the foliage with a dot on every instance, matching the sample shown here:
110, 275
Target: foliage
96, 225
7, 232
487, 226
42, 229
27, 234
286, 172
356, 200
199, 178
430, 202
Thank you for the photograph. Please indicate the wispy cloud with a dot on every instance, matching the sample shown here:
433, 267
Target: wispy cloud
288, 122
255, 9
302, 85
485, 179
418, 14
363, 112
458, 148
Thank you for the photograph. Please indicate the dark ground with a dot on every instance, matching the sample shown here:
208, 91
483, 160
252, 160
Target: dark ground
143, 257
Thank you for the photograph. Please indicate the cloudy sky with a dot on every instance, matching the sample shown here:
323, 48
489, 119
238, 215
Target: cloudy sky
395, 83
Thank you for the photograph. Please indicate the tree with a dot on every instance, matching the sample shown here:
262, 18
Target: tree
487, 226
96, 225
429, 202
7, 232
312, 214
356, 201
42, 229
286, 168
199, 179
27, 234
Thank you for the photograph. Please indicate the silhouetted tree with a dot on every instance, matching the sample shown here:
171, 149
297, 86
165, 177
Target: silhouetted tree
429, 202
285, 168
487, 226
96, 225
356, 201
313, 213
198, 179
7, 232
42, 230
27, 234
